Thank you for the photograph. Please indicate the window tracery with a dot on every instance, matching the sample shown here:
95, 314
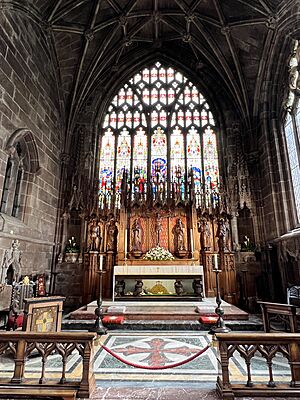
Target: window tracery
292, 124
159, 134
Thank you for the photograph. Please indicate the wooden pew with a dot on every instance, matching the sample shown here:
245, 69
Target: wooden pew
24, 344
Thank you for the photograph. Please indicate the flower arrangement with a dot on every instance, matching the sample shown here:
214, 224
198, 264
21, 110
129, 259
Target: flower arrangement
72, 246
158, 254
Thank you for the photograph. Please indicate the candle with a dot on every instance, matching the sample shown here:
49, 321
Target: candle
125, 244
101, 262
216, 261
192, 242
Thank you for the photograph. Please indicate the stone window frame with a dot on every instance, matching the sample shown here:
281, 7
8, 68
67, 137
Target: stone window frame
21, 168
292, 122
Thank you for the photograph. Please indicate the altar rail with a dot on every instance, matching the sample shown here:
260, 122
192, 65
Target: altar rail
21, 345
267, 345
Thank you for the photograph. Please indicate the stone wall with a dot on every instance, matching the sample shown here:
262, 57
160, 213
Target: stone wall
69, 283
29, 101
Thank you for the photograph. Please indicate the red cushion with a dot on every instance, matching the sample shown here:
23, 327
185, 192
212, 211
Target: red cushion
11, 321
113, 319
208, 319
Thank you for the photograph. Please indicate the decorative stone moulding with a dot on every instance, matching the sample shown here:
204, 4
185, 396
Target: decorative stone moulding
71, 257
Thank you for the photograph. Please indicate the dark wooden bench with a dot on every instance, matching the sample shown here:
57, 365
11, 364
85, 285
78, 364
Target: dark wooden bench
276, 313
62, 393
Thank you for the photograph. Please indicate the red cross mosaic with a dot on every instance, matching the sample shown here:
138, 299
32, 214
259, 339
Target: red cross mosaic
157, 352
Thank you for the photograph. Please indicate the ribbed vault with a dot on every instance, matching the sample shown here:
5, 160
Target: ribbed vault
95, 39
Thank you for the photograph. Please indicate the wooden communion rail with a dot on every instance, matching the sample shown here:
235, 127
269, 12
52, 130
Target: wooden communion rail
21, 345
267, 345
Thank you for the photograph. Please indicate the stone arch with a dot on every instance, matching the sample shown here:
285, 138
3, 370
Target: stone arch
26, 137
22, 165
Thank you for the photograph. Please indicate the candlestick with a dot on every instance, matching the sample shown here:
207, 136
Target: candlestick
216, 261
125, 244
101, 262
192, 242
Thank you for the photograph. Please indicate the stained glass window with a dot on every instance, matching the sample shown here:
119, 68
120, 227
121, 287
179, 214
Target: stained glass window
292, 125
159, 132
292, 141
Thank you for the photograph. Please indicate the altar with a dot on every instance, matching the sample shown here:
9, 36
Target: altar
157, 281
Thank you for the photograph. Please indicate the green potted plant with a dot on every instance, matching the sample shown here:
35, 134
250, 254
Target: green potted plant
72, 250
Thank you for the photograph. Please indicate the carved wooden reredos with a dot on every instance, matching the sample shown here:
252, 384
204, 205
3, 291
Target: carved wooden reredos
157, 177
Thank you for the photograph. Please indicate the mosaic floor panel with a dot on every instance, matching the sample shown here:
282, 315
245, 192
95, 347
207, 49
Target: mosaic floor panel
153, 349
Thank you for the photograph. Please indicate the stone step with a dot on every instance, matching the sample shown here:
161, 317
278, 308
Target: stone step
253, 324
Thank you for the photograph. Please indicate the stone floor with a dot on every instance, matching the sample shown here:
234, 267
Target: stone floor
124, 393
117, 380
162, 393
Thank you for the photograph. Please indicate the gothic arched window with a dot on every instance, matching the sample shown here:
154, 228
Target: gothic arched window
10, 202
292, 125
22, 164
160, 134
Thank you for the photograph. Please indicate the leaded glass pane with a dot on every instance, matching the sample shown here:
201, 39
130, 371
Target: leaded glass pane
293, 159
139, 167
158, 160
194, 157
107, 155
210, 155
123, 157
177, 163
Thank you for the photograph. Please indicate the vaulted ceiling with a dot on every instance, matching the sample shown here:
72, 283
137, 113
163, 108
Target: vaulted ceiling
228, 39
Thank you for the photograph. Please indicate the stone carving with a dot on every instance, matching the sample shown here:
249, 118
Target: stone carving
136, 236
138, 288
12, 261
198, 287
178, 287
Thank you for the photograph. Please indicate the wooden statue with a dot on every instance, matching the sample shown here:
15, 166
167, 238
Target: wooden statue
179, 236
111, 234
136, 236
94, 235
223, 232
204, 230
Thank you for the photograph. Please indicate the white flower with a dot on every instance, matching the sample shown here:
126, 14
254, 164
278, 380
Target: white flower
158, 254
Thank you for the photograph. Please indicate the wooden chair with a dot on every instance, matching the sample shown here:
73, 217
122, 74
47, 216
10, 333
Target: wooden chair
279, 317
293, 295
21, 291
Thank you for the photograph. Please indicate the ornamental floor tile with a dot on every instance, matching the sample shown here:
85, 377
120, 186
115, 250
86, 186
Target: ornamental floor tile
154, 350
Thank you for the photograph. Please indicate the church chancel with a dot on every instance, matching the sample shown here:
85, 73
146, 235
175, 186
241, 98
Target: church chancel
160, 214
